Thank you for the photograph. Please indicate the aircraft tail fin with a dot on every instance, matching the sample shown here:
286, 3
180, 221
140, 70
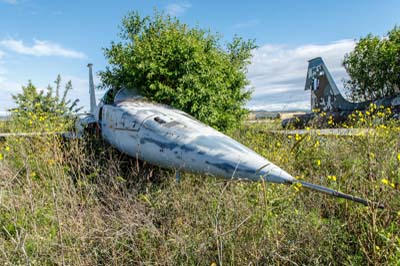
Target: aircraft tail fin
325, 96
91, 90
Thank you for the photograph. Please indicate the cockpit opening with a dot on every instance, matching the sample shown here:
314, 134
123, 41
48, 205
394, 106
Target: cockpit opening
114, 95
127, 94
108, 97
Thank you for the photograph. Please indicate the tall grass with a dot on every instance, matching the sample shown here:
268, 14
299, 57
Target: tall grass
83, 203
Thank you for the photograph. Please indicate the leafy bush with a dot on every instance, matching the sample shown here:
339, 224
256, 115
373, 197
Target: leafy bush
374, 67
39, 110
171, 63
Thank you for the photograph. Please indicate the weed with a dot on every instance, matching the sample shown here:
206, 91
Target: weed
83, 203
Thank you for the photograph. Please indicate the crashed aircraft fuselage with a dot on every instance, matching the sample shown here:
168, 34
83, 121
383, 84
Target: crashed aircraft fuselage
170, 138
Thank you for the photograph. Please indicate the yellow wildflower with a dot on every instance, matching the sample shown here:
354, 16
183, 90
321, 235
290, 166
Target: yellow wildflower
331, 177
316, 144
7, 149
297, 186
1, 156
398, 157
385, 181
318, 162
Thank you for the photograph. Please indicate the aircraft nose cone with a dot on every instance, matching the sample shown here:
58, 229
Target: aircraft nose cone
276, 175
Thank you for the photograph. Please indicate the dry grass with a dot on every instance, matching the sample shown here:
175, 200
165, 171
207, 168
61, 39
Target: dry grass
81, 203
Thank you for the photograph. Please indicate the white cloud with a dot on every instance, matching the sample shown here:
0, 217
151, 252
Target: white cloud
277, 73
176, 9
41, 48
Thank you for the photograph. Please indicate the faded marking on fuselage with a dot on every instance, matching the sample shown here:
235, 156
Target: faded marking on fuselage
126, 129
173, 124
167, 145
187, 148
161, 144
231, 169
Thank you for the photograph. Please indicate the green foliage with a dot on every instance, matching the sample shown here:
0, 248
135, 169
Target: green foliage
171, 63
43, 110
374, 67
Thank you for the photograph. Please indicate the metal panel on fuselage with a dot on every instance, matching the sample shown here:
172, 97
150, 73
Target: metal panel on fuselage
120, 129
170, 138
173, 139
107, 124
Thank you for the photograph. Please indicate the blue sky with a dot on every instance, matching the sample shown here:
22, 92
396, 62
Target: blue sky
40, 39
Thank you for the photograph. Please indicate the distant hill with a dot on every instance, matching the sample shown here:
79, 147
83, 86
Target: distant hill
4, 117
263, 114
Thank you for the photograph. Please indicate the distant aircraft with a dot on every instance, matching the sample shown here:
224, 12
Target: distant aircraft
170, 138
326, 97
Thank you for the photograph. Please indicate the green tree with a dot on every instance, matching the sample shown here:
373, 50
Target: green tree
374, 67
188, 68
44, 110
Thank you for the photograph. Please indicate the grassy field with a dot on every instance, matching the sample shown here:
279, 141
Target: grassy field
83, 203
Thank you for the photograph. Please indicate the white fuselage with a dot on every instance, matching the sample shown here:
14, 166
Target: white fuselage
170, 138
